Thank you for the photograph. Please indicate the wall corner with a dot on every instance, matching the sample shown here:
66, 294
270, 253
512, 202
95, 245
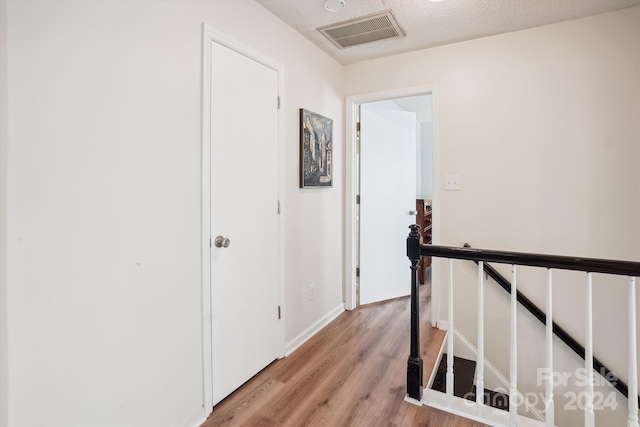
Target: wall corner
4, 136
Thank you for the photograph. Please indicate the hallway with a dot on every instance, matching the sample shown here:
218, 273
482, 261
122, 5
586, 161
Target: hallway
352, 373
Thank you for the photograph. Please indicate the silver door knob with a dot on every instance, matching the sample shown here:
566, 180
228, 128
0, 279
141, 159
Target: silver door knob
222, 242
413, 212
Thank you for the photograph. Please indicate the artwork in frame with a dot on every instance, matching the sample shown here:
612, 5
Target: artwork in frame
316, 153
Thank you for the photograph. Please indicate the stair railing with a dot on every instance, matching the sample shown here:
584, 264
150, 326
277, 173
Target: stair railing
560, 332
588, 265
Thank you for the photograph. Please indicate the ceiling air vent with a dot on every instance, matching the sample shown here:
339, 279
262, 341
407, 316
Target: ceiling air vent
371, 28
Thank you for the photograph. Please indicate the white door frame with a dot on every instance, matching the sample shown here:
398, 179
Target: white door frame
212, 36
352, 103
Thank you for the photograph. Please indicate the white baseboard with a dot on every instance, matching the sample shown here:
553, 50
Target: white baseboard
304, 336
196, 420
471, 410
412, 400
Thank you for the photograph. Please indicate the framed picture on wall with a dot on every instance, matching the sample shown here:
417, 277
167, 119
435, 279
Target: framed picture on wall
316, 150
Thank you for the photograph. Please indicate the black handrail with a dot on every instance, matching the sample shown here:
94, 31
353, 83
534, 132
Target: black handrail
564, 336
415, 250
589, 265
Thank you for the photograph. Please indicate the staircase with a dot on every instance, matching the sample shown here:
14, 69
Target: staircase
494, 410
464, 383
454, 385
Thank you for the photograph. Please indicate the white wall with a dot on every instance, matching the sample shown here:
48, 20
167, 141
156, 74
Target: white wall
542, 126
104, 204
4, 366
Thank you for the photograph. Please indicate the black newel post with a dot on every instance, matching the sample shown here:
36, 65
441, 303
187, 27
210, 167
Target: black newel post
414, 365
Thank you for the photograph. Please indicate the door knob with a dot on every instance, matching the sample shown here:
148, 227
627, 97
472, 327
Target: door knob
413, 212
222, 242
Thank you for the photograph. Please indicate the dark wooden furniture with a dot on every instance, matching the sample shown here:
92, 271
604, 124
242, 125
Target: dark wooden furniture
424, 220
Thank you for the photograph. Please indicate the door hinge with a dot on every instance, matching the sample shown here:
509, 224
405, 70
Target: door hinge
278, 102
358, 128
279, 207
358, 199
279, 313
357, 271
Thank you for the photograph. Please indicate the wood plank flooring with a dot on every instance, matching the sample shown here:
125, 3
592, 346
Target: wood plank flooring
351, 374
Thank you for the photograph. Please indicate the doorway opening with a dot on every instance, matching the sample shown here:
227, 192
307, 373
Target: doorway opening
406, 121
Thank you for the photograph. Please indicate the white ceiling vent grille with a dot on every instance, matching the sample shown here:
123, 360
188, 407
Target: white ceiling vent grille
371, 28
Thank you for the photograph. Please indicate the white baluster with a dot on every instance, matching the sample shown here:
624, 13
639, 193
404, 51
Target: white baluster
480, 362
450, 340
548, 400
513, 384
633, 362
589, 416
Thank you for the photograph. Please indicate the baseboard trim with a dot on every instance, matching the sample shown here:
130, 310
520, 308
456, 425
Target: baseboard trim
305, 335
469, 409
412, 400
196, 420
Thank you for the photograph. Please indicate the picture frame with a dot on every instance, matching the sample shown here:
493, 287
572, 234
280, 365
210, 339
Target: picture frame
316, 150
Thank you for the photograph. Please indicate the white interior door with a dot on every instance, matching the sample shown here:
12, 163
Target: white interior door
244, 209
387, 196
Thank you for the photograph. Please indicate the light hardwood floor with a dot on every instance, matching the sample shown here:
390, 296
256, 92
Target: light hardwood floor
352, 373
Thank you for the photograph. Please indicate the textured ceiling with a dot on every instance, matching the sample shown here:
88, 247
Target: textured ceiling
430, 24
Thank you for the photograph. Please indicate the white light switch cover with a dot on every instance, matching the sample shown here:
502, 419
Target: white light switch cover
452, 182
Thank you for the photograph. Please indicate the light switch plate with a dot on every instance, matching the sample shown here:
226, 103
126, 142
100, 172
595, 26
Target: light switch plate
452, 182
